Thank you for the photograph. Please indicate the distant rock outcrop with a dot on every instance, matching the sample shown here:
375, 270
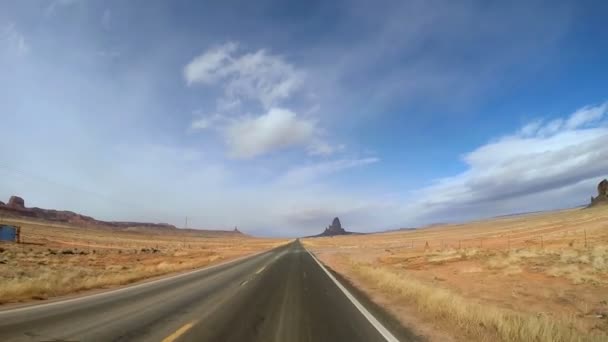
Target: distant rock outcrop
335, 229
602, 188
602, 194
16, 202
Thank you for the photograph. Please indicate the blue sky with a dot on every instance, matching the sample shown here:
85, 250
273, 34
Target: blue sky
277, 116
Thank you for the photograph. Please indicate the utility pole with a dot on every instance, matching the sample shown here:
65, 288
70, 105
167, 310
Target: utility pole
185, 227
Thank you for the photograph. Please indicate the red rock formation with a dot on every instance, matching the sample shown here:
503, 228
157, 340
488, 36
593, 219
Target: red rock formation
334, 229
602, 188
602, 194
16, 202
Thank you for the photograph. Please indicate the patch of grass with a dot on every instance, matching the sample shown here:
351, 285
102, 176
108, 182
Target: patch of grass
61, 260
444, 256
482, 322
47, 282
577, 265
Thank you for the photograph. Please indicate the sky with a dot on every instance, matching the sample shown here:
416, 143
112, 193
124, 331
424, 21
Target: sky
276, 116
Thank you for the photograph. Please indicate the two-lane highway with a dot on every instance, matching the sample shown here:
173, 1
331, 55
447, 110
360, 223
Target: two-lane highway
280, 295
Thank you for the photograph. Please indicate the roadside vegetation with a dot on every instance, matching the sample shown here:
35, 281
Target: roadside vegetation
478, 321
59, 260
541, 277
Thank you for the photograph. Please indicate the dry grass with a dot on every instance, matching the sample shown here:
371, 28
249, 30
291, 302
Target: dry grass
475, 320
57, 260
524, 278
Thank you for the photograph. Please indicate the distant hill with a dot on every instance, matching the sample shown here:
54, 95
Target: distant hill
396, 230
16, 208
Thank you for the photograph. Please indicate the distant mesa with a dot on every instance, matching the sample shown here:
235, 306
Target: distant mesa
16, 208
602, 194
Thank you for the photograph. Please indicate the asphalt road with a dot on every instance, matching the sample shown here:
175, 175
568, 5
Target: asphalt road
281, 295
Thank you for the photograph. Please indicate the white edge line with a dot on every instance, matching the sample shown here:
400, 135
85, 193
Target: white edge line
126, 288
372, 320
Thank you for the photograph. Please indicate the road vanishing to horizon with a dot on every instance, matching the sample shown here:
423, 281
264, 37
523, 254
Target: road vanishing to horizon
283, 294
169, 171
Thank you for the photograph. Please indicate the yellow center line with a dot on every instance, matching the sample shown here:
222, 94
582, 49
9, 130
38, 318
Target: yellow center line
260, 270
179, 332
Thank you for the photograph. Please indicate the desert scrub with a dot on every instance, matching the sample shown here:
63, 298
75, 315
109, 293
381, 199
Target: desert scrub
577, 265
40, 275
481, 322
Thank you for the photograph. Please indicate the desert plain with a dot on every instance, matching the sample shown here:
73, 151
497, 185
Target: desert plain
57, 259
532, 277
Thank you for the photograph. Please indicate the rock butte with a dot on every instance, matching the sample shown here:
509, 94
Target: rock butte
602, 194
335, 228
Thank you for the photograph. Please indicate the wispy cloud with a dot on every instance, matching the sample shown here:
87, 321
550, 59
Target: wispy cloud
13, 41
211, 66
536, 161
54, 4
258, 75
204, 122
265, 79
277, 129
319, 147
308, 173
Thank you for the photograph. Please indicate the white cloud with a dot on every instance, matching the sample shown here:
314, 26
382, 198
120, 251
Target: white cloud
266, 79
210, 66
279, 128
202, 123
321, 148
525, 170
531, 128
13, 40
206, 122
311, 172
257, 76
586, 115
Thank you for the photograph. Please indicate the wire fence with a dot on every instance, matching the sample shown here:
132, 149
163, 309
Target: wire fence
578, 238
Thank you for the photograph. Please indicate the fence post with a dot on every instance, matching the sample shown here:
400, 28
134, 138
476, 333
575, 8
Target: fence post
458, 244
585, 231
542, 245
480, 242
